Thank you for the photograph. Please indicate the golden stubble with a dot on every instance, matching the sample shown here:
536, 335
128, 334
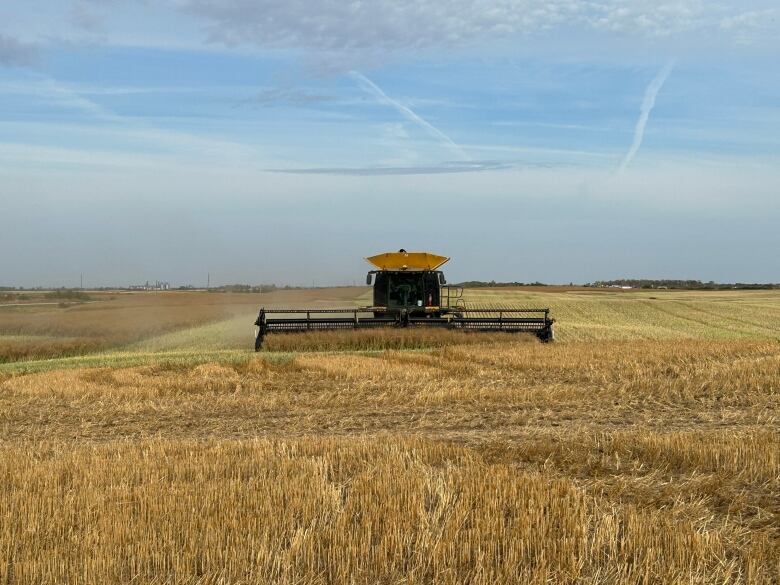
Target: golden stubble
493, 461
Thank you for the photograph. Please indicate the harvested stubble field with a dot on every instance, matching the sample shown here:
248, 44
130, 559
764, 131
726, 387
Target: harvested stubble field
30, 330
455, 459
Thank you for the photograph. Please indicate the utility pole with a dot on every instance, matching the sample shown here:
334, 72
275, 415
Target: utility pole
81, 281
208, 280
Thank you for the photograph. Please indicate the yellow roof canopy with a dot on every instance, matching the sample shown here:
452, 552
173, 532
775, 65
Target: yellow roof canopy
404, 260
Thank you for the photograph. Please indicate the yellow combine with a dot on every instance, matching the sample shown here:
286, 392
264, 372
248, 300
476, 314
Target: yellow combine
409, 291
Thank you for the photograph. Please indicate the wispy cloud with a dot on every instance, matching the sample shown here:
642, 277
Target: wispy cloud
373, 89
85, 16
752, 26
383, 26
436, 169
62, 95
133, 130
286, 96
14, 52
648, 103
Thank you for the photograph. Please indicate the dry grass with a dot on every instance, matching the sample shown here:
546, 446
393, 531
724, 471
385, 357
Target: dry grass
15, 348
381, 339
641, 462
343, 511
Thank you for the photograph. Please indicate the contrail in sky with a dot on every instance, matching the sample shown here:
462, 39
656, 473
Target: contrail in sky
134, 128
372, 88
644, 112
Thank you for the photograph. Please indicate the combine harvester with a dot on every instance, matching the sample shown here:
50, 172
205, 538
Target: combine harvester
409, 291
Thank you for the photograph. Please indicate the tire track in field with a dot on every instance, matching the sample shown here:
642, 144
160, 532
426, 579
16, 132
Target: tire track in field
706, 324
725, 318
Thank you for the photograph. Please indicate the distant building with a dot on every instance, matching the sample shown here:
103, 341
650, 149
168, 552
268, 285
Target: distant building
156, 285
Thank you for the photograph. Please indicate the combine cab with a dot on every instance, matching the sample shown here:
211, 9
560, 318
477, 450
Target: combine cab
409, 291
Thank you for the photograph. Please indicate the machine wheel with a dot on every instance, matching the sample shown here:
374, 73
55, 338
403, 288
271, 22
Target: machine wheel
547, 335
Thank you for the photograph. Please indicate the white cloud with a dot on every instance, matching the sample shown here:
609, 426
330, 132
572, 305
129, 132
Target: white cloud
391, 25
753, 25
752, 19
344, 34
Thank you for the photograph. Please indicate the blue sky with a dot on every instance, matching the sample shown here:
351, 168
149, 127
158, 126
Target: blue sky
282, 142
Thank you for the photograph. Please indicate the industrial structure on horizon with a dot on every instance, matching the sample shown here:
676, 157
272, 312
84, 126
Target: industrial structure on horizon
156, 285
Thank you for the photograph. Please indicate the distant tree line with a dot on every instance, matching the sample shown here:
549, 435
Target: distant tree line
680, 284
8, 293
494, 284
249, 288
69, 294
16, 293
635, 283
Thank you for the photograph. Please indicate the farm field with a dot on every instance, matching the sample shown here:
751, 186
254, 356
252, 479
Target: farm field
149, 327
642, 448
604, 315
